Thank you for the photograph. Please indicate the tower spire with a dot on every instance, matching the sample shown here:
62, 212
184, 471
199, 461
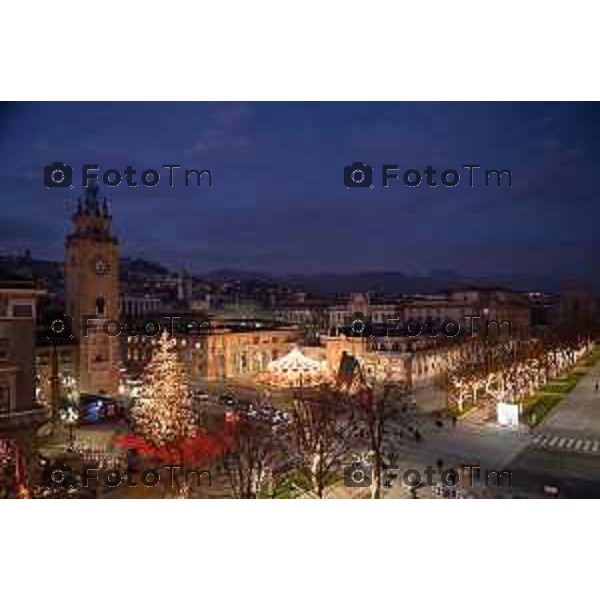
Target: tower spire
92, 215
91, 199
92, 288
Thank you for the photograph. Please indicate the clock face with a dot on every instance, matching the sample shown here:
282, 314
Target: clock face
101, 267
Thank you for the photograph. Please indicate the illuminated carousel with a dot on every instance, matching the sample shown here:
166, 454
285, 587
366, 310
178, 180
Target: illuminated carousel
296, 370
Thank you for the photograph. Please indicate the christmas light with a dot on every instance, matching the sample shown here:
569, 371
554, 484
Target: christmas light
511, 372
163, 411
295, 370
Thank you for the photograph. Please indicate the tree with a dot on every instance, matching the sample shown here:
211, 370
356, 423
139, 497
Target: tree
163, 413
252, 448
374, 415
373, 411
323, 427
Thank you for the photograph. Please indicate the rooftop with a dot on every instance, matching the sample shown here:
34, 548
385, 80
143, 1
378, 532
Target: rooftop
11, 280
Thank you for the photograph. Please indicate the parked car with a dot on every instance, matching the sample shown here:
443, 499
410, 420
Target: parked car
201, 396
228, 400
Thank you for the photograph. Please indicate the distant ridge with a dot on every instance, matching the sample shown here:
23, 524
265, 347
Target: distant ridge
377, 282
389, 282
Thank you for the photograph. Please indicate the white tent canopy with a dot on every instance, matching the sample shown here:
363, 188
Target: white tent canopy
296, 369
295, 362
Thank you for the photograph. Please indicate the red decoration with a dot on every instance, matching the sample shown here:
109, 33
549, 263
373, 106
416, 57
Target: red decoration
199, 445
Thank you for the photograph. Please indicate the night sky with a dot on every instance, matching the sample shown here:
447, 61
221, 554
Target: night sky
278, 203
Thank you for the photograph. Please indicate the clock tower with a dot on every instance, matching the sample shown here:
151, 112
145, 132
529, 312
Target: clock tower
92, 292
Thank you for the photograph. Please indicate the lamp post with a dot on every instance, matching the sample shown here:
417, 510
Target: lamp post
70, 416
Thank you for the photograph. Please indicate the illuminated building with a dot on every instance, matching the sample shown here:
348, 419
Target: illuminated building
223, 352
18, 299
92, 288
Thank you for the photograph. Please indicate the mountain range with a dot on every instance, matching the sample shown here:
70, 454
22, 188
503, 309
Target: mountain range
377, 282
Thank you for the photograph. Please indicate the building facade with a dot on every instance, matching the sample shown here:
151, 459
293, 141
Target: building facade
219, 354
486, 304
17, 349
415, 363
92, 293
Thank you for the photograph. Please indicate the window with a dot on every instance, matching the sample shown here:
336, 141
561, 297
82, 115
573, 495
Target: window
100, 306
4, 347
22, 310
4, 400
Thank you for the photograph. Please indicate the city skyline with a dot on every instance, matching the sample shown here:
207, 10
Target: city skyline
307, 323
278, 204
288, 395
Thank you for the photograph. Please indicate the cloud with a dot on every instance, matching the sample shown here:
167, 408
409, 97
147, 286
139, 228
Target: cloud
551, 143
216, 139
227, 129
16, 229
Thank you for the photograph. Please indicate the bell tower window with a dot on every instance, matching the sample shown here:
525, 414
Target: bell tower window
100, 306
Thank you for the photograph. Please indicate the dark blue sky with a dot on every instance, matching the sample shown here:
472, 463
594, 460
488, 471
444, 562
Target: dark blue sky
278, 203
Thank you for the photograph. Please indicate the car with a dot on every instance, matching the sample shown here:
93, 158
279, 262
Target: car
228, 400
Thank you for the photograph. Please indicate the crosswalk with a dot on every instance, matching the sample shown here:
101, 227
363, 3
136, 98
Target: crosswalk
566, 443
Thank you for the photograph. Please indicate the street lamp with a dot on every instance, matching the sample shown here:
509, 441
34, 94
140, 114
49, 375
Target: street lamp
70, 416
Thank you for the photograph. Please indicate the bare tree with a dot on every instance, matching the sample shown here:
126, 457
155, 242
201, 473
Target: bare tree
323, 427
252, 448
374, 406
374, 413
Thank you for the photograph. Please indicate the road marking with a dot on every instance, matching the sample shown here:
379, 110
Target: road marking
570, 443
578, 444
554, 440
587, 445
595, 447
537, 438
562, 442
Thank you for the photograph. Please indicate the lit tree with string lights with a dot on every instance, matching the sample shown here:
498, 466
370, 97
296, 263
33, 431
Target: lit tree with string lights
163, 412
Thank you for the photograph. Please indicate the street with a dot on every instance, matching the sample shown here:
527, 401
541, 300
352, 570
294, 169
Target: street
565, 448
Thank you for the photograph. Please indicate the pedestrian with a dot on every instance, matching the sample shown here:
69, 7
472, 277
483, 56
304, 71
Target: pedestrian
454, 419
596, 385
